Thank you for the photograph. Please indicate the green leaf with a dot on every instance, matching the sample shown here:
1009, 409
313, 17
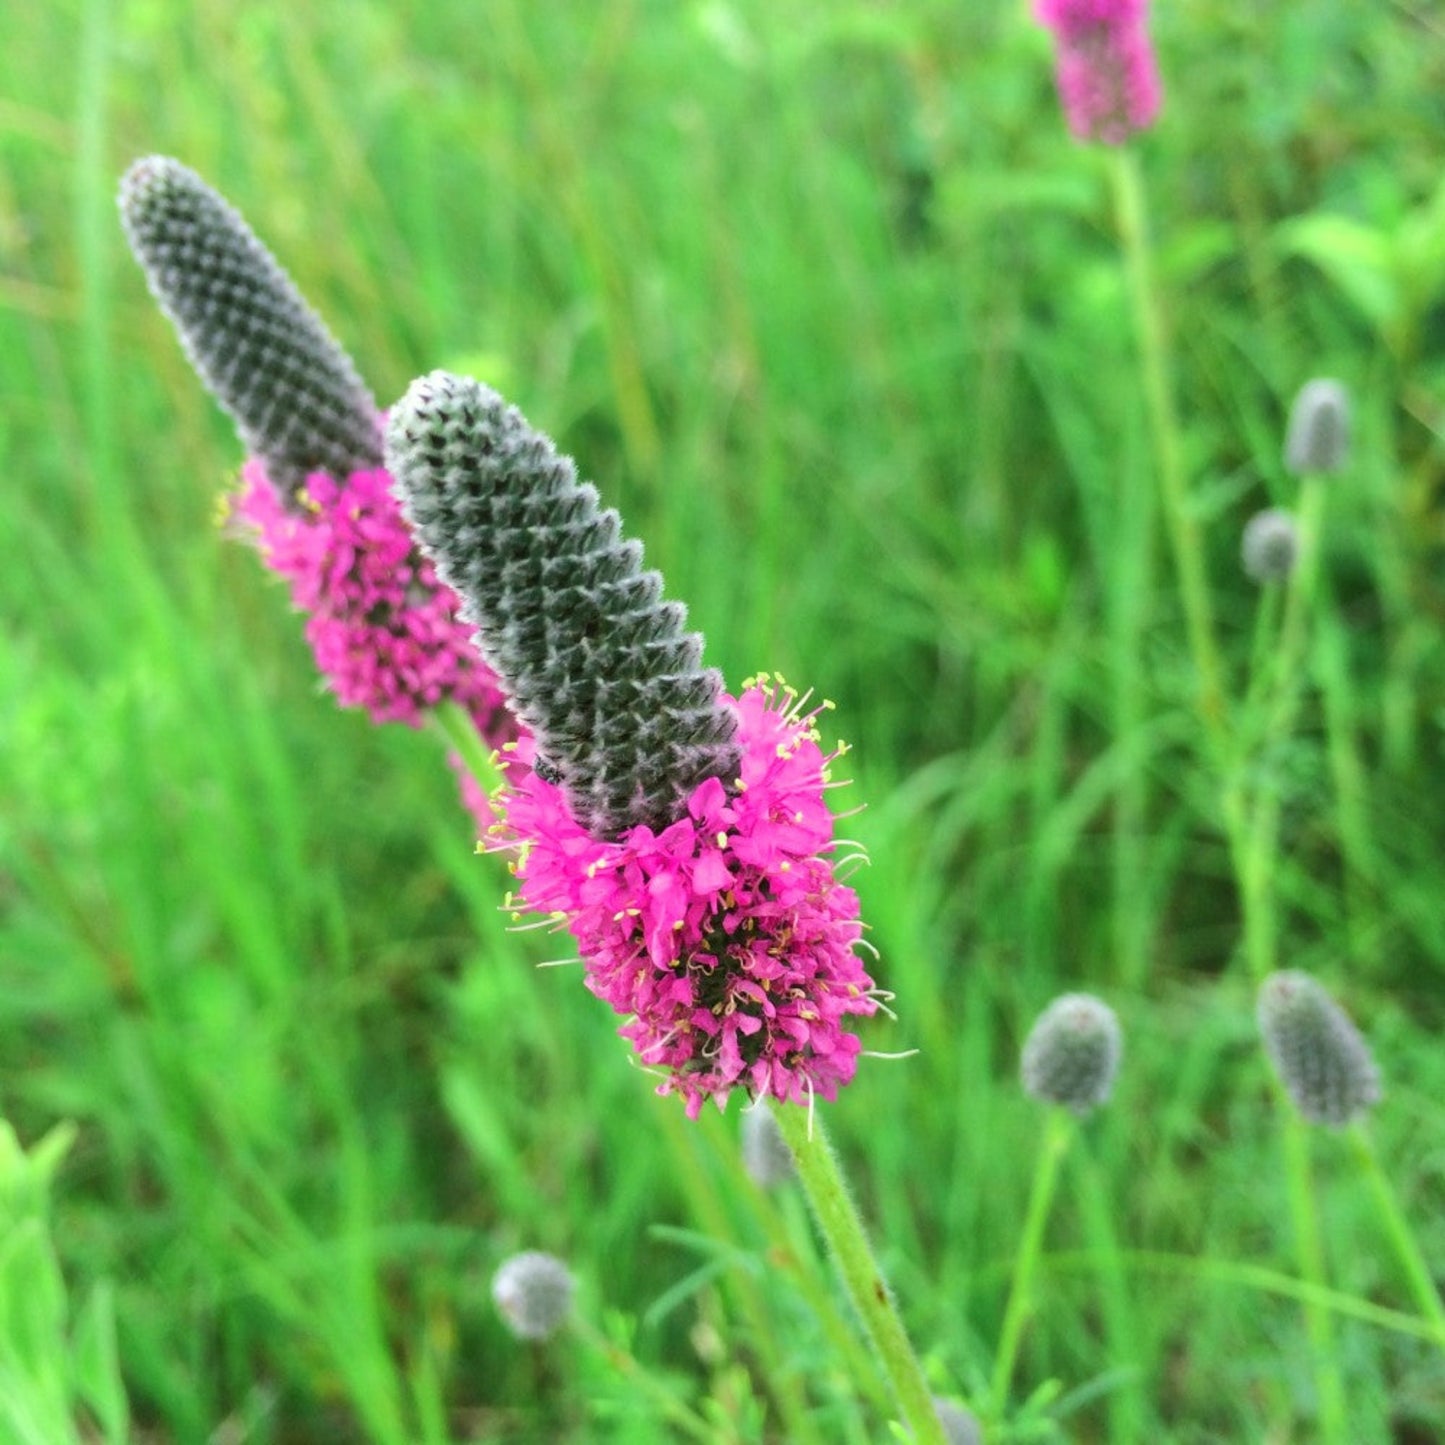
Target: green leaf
1357, 258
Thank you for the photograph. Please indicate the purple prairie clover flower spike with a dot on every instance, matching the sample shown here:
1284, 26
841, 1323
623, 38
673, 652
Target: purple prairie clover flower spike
725, 939
595, 663
1318, 436
293, 393
960, 1426
1269, 547
680, 835
766, 1156
384, 631
1324, 1064
1072, 1053
533, 1293
1107, 77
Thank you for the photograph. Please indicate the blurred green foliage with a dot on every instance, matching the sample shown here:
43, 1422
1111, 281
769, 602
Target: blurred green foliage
826, 301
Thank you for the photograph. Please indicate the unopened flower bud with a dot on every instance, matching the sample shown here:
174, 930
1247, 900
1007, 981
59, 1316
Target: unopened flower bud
534, 1292
766, 1155
960, 1426
1270, 546
1072, 1053
1318, 437
1324, 1064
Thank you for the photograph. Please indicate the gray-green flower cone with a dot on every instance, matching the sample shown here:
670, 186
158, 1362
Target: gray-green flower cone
1318, 435
597, 665
960, 1426
1072, 1053
297, 400
1324, 1064
1269, 547
534, 1293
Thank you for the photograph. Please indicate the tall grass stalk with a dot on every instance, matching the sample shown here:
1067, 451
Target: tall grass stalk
1185, 540
1397, 1227
1250, 839
662, 1396
1058, 1135
1304, 1214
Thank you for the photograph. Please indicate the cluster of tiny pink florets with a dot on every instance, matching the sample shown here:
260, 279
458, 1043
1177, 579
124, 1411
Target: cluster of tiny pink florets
384, 630
725, 939
1107, 77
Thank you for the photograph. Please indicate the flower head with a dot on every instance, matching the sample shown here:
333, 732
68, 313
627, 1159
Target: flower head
1072, 1053
533, 1292
724, 938
383, 628
1317, 1052
1269, 547
1318, 435
1107, 78
680, 835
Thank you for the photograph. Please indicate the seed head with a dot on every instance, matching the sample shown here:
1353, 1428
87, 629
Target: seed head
1072, 1053
1318, 436
293, 393
1324, 1064
1270, 546
533, 1292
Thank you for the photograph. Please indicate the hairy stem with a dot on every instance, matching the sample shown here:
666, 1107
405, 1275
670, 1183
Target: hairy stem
838, 1218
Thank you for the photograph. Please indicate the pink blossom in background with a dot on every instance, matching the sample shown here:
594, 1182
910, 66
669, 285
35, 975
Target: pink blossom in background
725, 939
1107, 77
1071, 18
384, 630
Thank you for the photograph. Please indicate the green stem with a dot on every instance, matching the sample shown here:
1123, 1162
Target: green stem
1185, 541
1290, 654
1262, 652
842, 1227
1310, 1250
1059, 1133
1126, 1404
1407, 1248
460, 733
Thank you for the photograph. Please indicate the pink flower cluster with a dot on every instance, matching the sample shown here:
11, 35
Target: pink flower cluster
384, 630
1107, 78
725, 939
